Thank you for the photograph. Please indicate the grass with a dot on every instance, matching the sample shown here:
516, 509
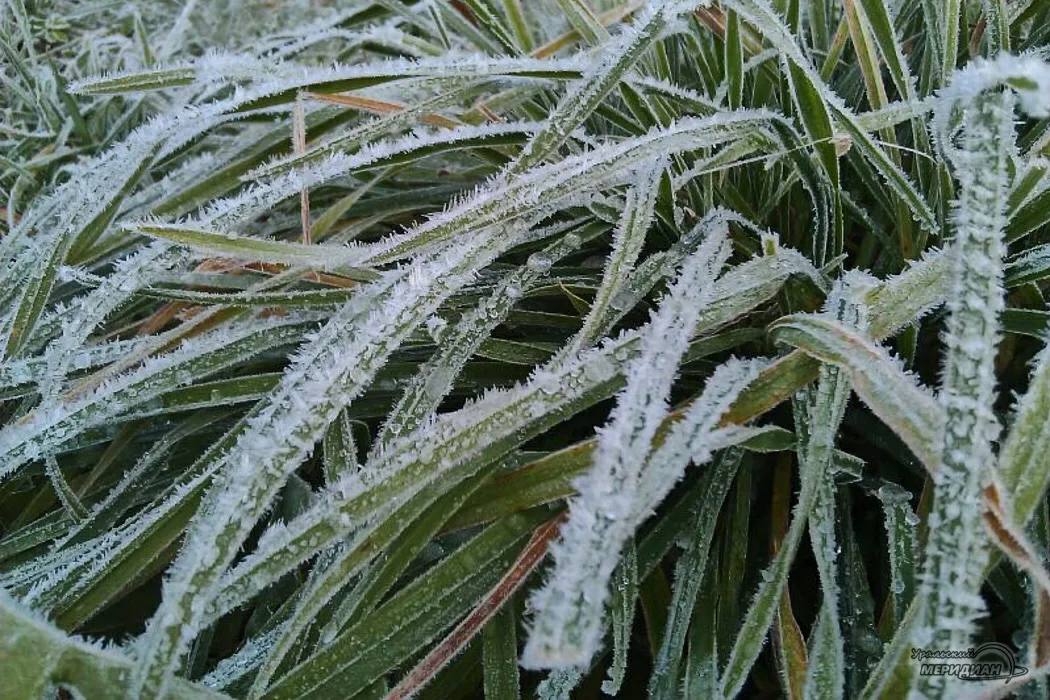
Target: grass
522, 349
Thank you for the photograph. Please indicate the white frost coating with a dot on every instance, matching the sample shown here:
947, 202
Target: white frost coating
901, 537
66, 496
434, 379
1028, 76
741, 287
205, 242
240, 664
280, 77
69, 566
628, 239
387, 35
144, 266
957, 549
372, 129
193, 169
894, 394
31, 370
63, 573
1023, 460
44, 430
540, 189
762, 15
697, 435
62, 216
44, 236
418, 459
1033, 261
567, 628
909, 295
121, 497
409, 464
380, 150
87, 311
608, 165
227, 212
214, 67
330, 574
679, 92
96, 183
319, 22
326, 374
824, 675
817, 423
604, 71
92, 184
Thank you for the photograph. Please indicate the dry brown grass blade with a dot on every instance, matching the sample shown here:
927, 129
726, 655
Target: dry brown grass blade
299, 148
380, 107
168, 312
1041, 633
1012, 541
472, 624
606, 19
790, 645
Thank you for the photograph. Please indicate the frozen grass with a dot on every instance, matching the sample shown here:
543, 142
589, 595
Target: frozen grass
320, 328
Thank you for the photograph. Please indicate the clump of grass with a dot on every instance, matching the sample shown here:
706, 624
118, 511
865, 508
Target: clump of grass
320, 328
